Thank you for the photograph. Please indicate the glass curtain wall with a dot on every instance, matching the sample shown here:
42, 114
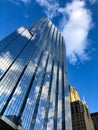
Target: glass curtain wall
33, 78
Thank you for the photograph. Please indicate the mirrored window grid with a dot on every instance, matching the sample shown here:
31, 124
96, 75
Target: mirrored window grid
33, 78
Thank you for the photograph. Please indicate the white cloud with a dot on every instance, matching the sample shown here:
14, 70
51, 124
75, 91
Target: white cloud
7, 90
76, 30
93, 1
50, 124
18, 91
75, 26
51, 7
25, 33
45, 91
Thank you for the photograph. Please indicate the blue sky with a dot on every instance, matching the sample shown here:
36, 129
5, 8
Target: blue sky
77, 20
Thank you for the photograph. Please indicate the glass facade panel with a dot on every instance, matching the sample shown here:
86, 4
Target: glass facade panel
33, 78
9, 39
50, 122
59, 120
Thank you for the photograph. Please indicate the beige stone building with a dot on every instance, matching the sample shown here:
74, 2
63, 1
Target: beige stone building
81, 119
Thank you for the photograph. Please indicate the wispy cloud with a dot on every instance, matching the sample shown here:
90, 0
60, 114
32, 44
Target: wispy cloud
75, 26
50, 7
93, 1
18, 1
26, 5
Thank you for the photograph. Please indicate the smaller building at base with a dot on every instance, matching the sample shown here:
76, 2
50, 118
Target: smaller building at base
94, 117
81, 119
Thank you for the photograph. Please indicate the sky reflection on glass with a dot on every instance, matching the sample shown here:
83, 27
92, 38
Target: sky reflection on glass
31, 72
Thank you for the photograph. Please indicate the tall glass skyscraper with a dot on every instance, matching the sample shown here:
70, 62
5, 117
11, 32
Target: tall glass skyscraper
34, 92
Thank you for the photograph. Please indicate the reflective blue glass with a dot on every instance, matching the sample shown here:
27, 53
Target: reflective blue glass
34, 91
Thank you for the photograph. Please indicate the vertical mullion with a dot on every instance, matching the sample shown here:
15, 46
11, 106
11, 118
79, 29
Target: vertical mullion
19, 53
15, 59
36, 23
48, 99
59, 114
10, 96
53, 88
49, 91
30, 86
57, 87
40, 90
63, 94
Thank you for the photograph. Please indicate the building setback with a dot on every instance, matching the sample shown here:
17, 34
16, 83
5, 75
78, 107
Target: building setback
34, 93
